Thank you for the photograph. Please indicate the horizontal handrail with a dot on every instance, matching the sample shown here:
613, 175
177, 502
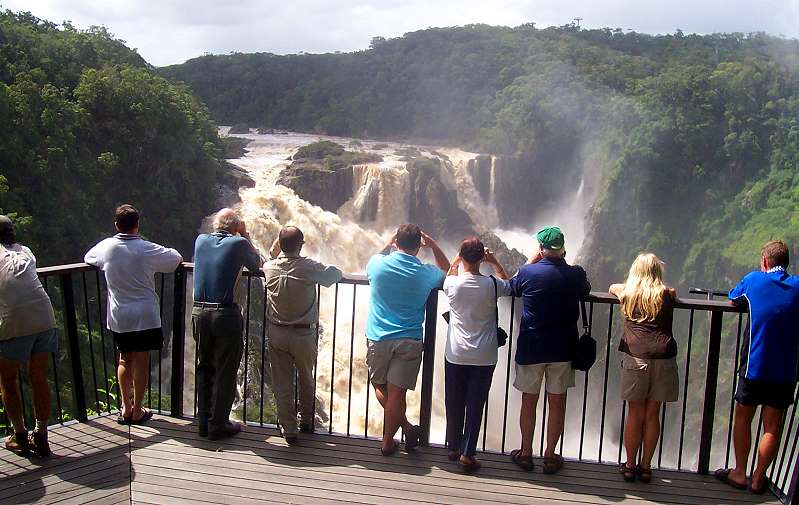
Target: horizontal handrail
361, 280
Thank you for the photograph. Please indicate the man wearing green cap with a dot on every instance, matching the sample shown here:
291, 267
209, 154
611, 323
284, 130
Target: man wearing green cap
550, 290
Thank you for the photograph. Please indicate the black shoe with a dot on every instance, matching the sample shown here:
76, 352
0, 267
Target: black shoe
306, 428
413, 437
291, 438
202, 426
225, 431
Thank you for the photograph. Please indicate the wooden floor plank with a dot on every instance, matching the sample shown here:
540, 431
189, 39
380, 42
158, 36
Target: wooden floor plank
168, 462
609, 484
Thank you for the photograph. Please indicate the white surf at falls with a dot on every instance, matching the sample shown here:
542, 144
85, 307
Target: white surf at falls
348, 238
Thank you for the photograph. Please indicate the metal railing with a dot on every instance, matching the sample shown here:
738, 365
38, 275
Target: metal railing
696, 431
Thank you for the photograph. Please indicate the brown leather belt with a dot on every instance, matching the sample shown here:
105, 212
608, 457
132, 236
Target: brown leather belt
211, 305
306, 326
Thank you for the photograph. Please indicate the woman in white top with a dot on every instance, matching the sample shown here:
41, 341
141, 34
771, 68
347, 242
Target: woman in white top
471, 351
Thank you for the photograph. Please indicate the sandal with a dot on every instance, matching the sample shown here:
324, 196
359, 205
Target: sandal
723, 474
760, 490
388, 452
413, 438
627, 472
644, 474
148, 414
523, 462
471, 466
553, 465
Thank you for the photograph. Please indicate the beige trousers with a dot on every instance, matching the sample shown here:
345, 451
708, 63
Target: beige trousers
292, 350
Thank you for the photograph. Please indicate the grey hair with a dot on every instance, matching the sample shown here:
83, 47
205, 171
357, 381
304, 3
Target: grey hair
226, 219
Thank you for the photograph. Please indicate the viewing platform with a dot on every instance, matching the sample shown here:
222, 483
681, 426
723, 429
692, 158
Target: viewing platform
95, 460
166, 462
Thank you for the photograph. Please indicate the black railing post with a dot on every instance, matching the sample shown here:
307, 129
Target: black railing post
71, 328
178, 341
792, 495
428, 365
711, 381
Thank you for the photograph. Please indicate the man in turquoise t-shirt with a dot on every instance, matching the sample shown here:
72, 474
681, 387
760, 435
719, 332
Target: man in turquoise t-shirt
400, 284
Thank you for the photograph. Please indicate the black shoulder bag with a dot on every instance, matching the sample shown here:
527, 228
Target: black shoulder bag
585, 350
502, 336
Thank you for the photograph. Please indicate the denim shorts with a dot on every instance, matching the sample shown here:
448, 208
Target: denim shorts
20, 348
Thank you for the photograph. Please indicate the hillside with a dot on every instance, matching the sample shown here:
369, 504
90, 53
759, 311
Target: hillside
688, 142
85, 124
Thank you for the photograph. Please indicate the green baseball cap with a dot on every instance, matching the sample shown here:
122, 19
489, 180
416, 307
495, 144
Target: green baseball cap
551, 238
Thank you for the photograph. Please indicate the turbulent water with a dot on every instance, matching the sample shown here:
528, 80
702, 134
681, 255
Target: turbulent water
349, 237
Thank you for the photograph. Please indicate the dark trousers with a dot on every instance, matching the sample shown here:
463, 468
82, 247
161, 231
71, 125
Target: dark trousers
218, 333
466, 391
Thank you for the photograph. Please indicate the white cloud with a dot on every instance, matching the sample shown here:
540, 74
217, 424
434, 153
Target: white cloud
171, 31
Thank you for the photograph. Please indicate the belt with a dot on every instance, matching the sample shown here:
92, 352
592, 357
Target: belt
210, 305
305, 326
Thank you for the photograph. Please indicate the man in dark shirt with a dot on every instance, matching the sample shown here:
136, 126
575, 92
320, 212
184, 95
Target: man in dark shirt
216, 320
550, 290
767, 375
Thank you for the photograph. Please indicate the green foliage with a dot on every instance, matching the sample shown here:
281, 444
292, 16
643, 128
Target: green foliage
84, 126
319, 150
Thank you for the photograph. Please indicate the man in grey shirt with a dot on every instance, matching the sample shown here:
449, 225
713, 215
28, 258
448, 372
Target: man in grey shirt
293, 311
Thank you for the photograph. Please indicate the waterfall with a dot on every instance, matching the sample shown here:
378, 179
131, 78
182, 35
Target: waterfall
380, 195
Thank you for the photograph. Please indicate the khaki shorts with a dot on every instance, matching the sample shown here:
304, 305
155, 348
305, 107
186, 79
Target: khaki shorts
560, 377
649, 379
395, 361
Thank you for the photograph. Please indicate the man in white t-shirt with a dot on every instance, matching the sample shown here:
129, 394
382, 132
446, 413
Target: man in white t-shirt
130, 264
471, 351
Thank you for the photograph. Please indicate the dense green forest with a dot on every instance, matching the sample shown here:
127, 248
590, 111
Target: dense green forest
86, 124
691, 140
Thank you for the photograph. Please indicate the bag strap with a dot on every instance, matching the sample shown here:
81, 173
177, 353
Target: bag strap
496, 299
583, 314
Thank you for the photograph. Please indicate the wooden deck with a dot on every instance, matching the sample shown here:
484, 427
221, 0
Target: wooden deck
166, 462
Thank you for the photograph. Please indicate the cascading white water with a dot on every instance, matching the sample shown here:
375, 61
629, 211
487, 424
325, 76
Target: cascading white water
348, 238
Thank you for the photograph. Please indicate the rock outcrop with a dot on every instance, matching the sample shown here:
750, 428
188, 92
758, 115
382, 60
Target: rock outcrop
432, 205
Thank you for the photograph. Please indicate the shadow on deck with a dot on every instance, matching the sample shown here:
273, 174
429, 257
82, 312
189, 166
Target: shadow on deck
166, 462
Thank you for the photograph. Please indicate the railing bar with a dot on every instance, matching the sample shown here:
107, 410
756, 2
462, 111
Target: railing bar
352, 351
732, 393
246, 349
101, 328
585, 387
333, 358
91, 345
485, 424
196, 362
662, 434
791, 461
782, 437
55, 370
26, 417
263, 359
685, 388
73, 345
605, 386
621, 428
507, 373
788, 434
160, 355
543, 420
563, 431
316, 356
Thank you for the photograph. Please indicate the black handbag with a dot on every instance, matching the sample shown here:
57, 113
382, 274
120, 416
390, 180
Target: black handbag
502, 336
585, 350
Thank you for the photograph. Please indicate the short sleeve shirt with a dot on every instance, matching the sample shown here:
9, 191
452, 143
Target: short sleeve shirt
472, 336
550, 290
400, 284
771, 349
25, 308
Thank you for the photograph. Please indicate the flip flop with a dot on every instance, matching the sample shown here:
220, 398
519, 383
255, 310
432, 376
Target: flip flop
472, 466
148, 414
523, 462
553, 465
723, 474
761, 490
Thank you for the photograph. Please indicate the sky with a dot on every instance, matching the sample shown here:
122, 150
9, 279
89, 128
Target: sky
171, 31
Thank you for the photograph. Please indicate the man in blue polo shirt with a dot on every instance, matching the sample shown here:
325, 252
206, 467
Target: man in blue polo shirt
550, 290
767, 375
400, 284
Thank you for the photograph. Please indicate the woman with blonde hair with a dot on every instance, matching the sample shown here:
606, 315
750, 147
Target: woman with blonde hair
649, 365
